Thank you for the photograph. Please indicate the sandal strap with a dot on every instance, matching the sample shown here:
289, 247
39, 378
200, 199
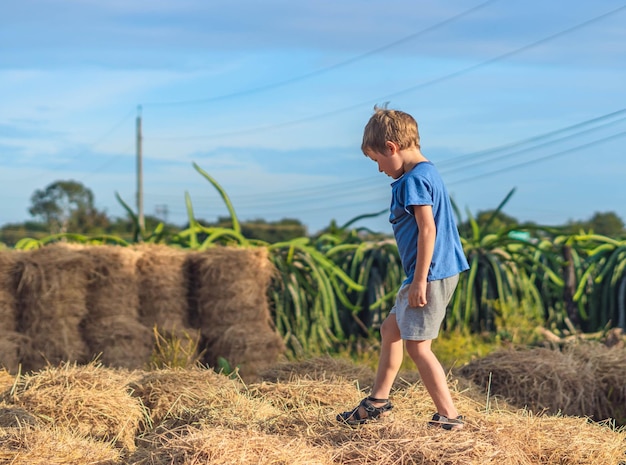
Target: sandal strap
372, 412
445, 422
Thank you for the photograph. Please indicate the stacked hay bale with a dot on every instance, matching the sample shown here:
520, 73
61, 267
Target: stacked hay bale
11, 342
162, 286
68, 302
112, 327
51, 286
228, 303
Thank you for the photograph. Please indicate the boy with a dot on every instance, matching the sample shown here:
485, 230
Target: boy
432, 258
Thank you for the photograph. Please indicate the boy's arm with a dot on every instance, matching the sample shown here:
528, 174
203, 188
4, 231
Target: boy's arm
425, 247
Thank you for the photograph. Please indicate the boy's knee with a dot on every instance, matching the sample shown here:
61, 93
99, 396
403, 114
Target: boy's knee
389, 329
419, 348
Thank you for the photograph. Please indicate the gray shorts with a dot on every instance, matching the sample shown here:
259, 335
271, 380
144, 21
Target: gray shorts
423, 323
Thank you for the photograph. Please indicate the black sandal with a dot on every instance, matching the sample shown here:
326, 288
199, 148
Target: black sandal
446, 423
353, 417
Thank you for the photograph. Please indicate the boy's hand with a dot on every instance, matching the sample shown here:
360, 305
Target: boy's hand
417, 294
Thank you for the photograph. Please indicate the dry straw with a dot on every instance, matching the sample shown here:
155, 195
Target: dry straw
179, 398
305, 429
51, 285
6, 380
56, 446
319, 368
230, 285
584, 379
88, 400
169, 393
202, 417
224, 446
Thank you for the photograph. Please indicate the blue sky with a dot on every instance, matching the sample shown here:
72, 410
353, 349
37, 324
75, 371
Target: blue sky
270, 98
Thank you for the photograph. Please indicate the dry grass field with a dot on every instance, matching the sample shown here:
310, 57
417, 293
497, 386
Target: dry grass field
91, 414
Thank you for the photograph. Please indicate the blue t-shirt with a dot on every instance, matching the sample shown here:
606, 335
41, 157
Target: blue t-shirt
423, 186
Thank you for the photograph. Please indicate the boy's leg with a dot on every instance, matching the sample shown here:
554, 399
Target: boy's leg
391, 353
433, 376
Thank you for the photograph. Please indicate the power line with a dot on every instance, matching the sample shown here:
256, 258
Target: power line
368, 189
445, 166
546, 157
318, 72
420, 86
373, 197
475, 155
470, 160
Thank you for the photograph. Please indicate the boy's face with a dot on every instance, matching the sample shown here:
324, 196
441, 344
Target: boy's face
389, 162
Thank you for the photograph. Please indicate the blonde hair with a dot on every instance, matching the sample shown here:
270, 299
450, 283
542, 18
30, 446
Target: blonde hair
390, 125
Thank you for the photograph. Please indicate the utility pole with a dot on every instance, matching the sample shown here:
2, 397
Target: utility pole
161, 211
142, 224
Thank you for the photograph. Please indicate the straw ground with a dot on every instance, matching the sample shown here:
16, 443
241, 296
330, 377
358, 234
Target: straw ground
93, 414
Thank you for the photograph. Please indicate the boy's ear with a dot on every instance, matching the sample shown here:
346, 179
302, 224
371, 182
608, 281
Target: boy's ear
392, 147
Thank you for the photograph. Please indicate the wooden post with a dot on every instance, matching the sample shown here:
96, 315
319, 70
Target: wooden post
140, 216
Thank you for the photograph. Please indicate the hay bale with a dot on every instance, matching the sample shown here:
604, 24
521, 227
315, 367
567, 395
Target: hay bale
112, 328
585, 379
51, 285
12, 343
12, 346
112, 282
120, 341
229, 305
43, 446
162, 286
8, 310
91, 401
221, 446
197, 397
228, 286
607, 366
170, 392
251, 347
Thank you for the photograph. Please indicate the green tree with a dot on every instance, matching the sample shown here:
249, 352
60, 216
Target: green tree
67, 206
607, 224
11, 233
603, 223
272, 231
491, 221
